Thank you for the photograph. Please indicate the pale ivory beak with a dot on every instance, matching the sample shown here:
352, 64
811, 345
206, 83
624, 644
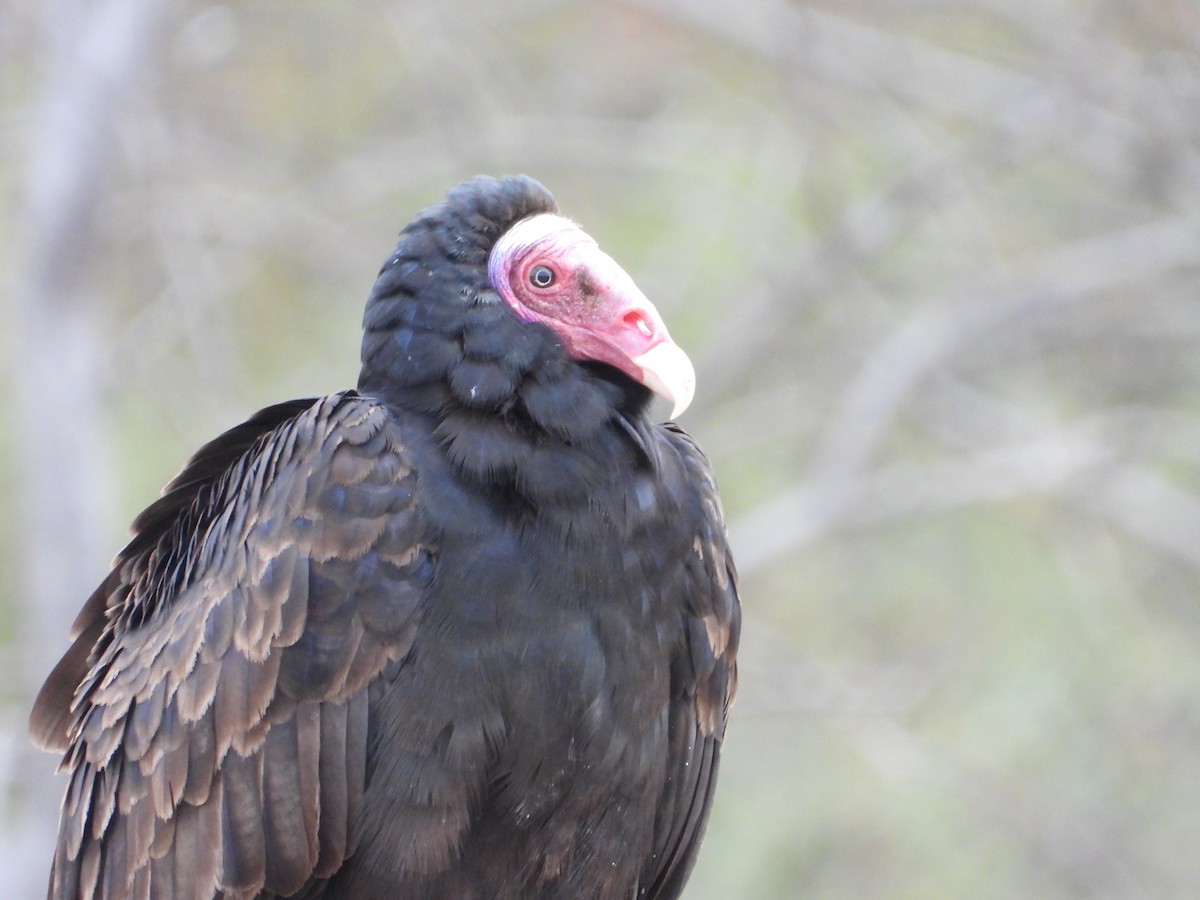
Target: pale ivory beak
668, 372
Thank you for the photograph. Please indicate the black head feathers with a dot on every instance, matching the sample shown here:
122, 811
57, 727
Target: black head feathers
415, 317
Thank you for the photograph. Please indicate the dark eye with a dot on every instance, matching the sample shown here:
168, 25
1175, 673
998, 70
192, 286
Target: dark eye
541, 276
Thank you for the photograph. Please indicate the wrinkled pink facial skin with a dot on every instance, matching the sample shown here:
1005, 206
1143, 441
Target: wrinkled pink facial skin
592, 304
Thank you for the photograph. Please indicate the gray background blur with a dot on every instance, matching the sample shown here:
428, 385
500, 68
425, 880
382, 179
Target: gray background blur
938, 265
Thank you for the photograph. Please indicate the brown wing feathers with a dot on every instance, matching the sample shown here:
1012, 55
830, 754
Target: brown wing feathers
52, 711
219, 737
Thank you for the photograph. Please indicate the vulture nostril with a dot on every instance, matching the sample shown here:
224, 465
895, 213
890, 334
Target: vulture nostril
636, 319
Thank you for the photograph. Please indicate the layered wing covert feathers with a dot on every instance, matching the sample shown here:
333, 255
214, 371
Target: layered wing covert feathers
217, 736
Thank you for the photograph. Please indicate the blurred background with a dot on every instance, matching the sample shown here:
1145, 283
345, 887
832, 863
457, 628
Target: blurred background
938, 265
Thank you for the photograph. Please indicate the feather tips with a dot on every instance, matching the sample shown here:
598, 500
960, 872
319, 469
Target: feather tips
213, 743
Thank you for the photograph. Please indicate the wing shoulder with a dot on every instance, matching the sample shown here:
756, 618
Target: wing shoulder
184, 498
217, 735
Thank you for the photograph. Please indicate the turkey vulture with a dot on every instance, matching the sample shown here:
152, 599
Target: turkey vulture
467, 631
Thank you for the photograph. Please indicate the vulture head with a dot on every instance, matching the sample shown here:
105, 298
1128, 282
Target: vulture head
538, 316
548, 270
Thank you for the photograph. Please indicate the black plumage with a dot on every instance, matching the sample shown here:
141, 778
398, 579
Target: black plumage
467, 631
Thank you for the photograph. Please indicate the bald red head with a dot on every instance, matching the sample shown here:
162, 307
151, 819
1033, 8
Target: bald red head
550, 271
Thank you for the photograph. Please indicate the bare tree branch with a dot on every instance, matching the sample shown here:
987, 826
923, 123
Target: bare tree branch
98, 53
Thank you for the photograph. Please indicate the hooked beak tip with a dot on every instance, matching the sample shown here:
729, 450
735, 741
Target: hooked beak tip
668, 372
